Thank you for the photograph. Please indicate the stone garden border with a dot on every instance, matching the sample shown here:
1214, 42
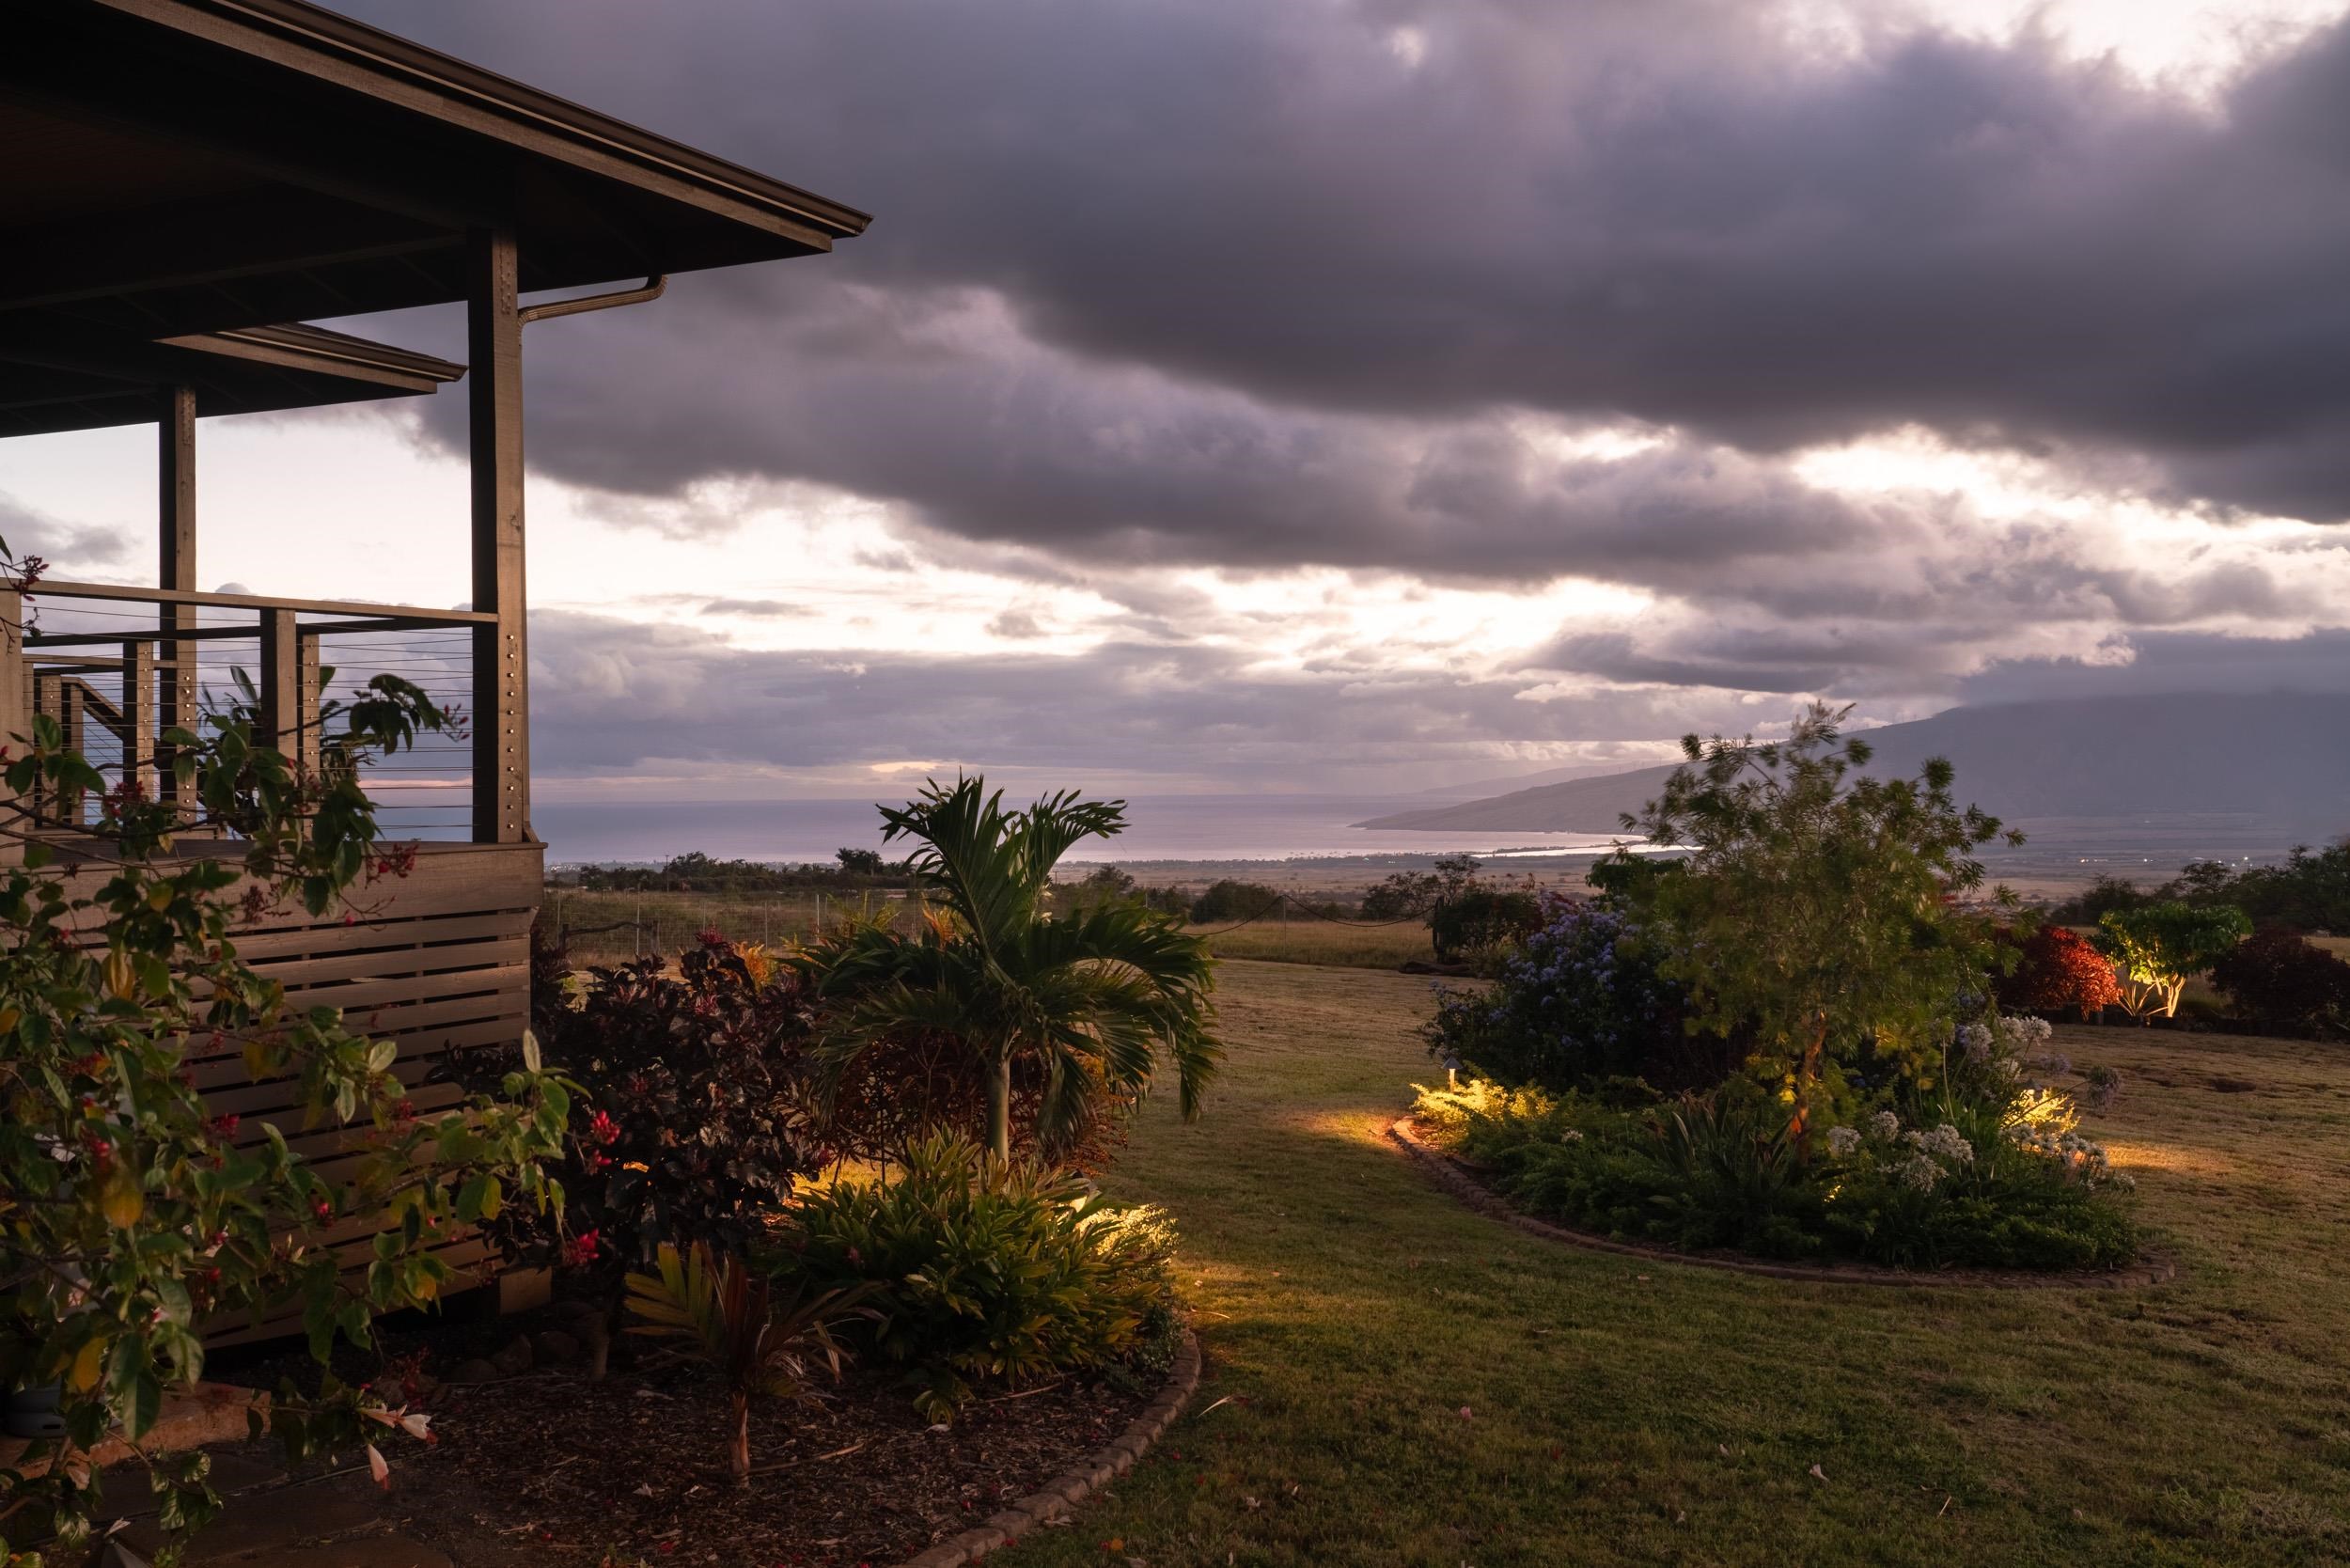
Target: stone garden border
1459, 1180
1092, 1474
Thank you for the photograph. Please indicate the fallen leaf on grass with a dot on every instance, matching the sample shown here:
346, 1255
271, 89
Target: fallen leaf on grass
1818, 1474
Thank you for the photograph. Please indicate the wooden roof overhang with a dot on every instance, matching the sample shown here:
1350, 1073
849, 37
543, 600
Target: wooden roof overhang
187, 166
86, 386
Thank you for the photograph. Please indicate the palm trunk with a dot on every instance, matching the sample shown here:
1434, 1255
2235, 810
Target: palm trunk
739, 1451
999, 1107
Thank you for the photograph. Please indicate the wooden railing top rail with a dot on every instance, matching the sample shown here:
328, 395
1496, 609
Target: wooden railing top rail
407, 614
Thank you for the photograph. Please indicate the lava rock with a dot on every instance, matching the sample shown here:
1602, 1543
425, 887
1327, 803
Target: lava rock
475, 1371
514, 1358
555, 1348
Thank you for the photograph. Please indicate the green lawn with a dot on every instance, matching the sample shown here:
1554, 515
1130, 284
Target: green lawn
1405, 1382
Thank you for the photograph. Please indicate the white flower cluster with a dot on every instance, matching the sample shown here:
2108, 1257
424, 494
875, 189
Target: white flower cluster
2081, 1159
2023, 1036
1925, 1165
1945, 1142
1974, 1040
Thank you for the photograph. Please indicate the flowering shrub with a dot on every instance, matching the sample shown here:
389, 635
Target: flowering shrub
1481, 918
695, 1118
2057, 971
1983, 1187
132, 1216
1817, 912
2277, 977
1578, 1000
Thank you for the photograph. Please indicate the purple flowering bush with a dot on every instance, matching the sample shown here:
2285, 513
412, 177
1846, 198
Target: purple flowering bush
1576, 1001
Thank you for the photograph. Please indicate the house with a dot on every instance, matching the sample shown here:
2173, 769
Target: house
186, 182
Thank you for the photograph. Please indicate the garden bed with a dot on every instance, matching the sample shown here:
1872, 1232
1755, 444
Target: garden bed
632, 1467
1463, 1181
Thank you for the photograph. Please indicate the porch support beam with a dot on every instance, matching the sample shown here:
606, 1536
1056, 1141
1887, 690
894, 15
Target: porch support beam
290, 689
174, 473
501, 667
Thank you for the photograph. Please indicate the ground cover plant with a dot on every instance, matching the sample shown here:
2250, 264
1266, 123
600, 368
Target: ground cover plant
980, 1272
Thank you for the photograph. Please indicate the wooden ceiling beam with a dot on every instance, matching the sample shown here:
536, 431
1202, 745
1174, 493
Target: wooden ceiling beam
257, 234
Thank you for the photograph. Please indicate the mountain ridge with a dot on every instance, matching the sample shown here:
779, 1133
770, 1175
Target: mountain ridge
2113, 756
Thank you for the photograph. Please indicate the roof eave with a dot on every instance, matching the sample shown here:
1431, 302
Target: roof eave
299, 36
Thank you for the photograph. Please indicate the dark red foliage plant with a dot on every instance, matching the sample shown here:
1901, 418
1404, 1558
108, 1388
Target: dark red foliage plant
691, 1119
2277, 977
2057, 971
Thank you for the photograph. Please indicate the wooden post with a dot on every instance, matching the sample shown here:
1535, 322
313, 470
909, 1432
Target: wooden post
175, 470
290, 689
501, 666
16, 716
138, 715
73, 717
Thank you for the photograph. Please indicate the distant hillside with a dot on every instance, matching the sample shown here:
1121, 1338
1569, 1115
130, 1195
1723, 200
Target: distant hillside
2282, 755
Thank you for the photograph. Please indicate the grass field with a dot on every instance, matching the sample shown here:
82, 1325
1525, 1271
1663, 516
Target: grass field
607, 927
1308, 941
1395, 1380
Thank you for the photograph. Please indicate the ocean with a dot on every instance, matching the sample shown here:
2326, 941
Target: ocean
1161, 827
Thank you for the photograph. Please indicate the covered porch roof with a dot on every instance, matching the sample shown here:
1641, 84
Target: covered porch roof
90, 385
187, 166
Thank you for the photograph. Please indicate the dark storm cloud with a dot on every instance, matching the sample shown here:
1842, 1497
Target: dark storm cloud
26, 532
615, 697
1668, 213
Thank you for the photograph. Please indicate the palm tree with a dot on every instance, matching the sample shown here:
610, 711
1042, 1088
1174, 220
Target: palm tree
1094, 997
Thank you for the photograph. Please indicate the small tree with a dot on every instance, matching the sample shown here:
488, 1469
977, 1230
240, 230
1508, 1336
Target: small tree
2057, 970
1814, 911
1092, 998
2157, 950
131, 1215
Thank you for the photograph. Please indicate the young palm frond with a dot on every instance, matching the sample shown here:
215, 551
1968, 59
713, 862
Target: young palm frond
1094, 999
723, 1315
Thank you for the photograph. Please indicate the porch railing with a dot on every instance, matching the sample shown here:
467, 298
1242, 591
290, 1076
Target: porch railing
118, 667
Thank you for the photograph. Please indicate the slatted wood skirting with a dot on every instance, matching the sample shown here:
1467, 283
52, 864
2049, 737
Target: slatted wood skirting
436, 961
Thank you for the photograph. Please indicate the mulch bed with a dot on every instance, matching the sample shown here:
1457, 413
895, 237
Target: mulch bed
549, 1465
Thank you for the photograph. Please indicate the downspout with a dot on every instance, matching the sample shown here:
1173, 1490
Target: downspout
652, 289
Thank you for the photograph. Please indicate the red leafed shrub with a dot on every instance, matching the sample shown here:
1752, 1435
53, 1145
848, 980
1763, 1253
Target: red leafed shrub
694, 1111
2277, 977
2057, 971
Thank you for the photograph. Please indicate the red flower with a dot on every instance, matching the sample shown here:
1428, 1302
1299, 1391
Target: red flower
225, 1125
603, 1131
580, 1250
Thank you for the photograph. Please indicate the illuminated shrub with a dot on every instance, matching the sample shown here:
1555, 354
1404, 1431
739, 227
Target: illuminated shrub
1991, 1172
2057, 971
980, 1272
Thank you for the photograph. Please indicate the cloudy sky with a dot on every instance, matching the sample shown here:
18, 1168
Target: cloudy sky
1371, 394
